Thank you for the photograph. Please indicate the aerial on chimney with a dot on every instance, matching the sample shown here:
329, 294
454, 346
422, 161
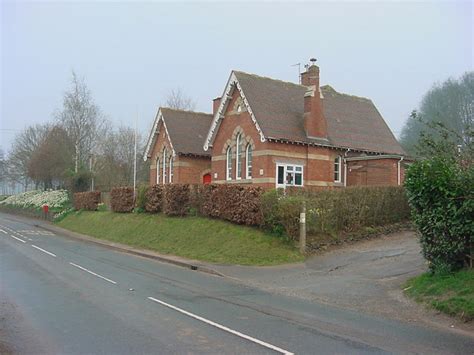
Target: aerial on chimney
313, 61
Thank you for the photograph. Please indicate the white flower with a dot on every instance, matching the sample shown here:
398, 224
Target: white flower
38, 198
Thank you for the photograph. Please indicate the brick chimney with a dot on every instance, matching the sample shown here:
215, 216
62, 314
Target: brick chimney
215, 105
314, 121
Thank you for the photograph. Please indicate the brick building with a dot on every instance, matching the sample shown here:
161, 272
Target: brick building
175, 147
276, 134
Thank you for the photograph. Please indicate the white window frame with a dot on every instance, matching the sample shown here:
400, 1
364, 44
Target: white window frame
164, 166
238, 157
228, 164
339, 169
170, 177
157, 170
247, 165
285, 170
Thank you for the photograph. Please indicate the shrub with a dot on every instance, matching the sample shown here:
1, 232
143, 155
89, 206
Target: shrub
176, 199
121, 199
154, 199
141, 201
441, 197
55, 199
333, 211
86, 200
235, 203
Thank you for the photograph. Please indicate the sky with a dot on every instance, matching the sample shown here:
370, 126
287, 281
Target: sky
131, 54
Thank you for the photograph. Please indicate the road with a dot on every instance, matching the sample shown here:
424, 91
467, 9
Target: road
60, 295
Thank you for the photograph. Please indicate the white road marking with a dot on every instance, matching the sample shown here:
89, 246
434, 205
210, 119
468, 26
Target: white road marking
1, 230
21, 240
217, 325
93, 273
44, 251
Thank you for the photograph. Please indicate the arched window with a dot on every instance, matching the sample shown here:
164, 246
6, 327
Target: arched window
248, 162
228, 170
158, 170
238, 159
171, 169
337, 169
164, 166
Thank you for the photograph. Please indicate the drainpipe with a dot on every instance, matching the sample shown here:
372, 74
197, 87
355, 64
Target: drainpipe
345, 167
399, 171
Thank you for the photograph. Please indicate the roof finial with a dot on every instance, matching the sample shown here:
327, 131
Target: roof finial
313, 61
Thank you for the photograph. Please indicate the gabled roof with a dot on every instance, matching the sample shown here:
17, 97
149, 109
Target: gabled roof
278, 108
186, 131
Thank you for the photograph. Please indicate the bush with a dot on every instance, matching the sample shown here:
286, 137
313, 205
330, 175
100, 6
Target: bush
86, 200
176, 199
333, 211
55, 199
121, 199
141, 201
235, 203
440, 193
154, 199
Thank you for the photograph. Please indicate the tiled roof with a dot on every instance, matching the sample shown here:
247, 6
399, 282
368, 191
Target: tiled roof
187, 130
353, 122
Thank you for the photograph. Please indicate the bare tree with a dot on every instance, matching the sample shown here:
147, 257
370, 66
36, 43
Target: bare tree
82, 120
113, 165
178, 100
24, 145
53, 158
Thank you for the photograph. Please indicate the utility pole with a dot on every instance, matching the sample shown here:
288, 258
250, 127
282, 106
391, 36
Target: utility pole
135, 160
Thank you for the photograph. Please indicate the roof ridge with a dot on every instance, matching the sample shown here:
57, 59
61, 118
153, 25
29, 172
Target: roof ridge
187, 111
267, 77
344, 94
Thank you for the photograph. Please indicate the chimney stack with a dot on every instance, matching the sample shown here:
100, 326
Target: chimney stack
314, 121
215, 105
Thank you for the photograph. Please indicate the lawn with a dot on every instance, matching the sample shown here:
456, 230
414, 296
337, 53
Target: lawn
190, 237
452, 294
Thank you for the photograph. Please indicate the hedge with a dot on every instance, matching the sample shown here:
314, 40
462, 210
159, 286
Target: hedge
235, 203
121, 199
336, 210
86, 200
154, 199
176, 199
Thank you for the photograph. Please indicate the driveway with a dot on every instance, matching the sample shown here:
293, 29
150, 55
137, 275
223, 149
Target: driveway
366, 276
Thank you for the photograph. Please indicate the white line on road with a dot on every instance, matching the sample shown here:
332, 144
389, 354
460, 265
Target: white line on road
44, 251
93, 273
217, 325
21, 240
1, 230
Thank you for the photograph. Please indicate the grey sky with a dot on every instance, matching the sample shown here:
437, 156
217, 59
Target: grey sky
132, 54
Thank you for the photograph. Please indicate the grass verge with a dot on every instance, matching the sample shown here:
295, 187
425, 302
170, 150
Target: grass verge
452, 294
190, 237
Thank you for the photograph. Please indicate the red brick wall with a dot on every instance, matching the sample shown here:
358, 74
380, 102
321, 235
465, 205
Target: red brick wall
186, 170
374, 172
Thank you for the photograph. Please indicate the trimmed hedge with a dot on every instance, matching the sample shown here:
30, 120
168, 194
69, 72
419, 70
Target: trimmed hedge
121, 199
176, 199
86, 200
336, 210
154, 199
235, 203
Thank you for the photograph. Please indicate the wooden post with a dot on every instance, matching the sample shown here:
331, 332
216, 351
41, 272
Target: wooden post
303, 228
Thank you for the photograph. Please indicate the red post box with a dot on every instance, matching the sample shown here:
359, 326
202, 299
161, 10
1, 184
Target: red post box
45, 211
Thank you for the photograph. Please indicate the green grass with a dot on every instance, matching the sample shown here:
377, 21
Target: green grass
452, 294
190, 237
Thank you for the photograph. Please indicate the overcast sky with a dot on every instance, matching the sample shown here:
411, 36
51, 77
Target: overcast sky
132, 54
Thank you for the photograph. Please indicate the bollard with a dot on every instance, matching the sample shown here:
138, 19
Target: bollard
303, 228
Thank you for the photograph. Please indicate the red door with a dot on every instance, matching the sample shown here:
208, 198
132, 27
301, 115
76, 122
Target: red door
206, 179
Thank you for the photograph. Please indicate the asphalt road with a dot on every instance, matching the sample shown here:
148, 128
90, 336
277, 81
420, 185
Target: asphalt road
64, 296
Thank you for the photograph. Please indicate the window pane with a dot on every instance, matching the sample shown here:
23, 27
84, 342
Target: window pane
298, 179
289, 168
281, 173
298, 168
289, 178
